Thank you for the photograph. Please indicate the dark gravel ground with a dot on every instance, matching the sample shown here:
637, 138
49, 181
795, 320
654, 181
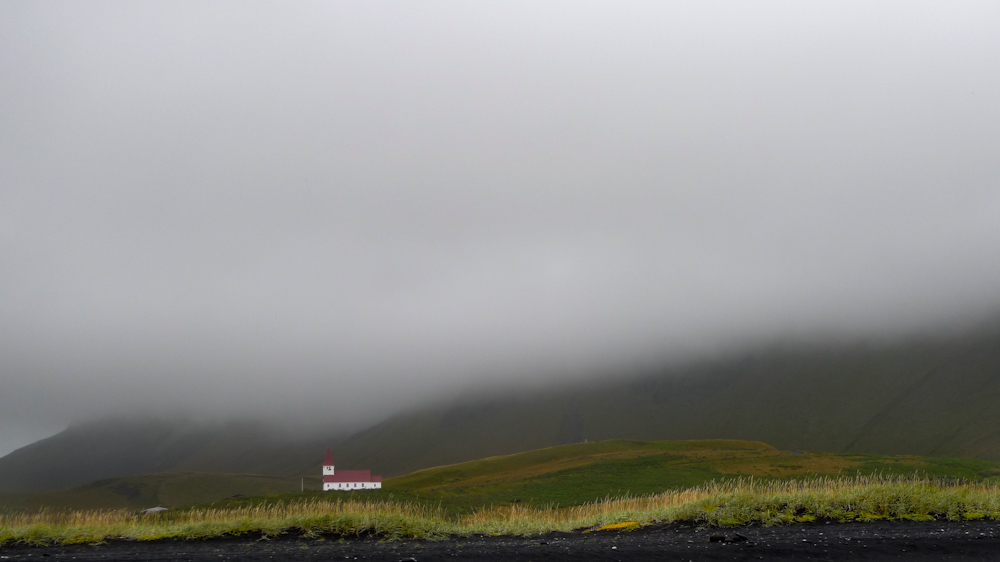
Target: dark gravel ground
830, 541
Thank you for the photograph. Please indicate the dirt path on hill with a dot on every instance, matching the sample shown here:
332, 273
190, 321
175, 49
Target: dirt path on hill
933, 541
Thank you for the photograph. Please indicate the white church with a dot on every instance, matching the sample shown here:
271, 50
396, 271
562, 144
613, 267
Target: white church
347, 480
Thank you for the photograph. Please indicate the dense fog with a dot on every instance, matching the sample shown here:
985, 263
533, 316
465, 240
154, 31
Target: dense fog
329, 211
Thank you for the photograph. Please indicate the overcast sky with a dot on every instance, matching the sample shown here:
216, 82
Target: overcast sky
341, 208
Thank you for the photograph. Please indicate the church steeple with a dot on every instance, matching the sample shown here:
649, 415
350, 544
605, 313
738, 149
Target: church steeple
328, 463
348, 480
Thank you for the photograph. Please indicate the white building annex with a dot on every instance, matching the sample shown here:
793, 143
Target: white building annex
347, 480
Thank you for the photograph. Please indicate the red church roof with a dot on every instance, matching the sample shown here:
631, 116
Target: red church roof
340, 476
352, 476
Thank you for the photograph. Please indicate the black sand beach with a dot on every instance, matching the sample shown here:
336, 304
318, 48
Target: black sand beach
822, 541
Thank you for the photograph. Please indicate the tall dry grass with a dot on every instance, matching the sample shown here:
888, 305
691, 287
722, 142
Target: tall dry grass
729, 503
750, 501
312, 518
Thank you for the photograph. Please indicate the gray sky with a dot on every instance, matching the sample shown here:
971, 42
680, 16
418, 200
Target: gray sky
338, 209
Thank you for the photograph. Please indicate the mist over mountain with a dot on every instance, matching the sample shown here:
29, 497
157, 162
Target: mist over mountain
125, 446
923, 396
328, 213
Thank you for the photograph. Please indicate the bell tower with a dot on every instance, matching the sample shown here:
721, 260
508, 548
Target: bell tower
328, 464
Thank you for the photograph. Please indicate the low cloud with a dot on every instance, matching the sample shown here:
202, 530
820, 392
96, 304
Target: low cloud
335, 211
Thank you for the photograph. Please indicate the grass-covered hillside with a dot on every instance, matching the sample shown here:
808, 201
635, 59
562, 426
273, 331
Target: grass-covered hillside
565, 475
581, 473
611, 485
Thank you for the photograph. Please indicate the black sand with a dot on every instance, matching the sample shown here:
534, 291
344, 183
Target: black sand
830, 541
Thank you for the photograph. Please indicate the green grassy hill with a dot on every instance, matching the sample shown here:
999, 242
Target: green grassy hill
589, 487
586, 472
564, 475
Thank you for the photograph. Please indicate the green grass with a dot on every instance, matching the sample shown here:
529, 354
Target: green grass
576, 474
582, 486
614, 477
566, 475
726, 504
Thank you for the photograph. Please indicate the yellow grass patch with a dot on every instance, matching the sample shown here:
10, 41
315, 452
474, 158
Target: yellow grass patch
623, 526
785, 464
525, 472
508, 470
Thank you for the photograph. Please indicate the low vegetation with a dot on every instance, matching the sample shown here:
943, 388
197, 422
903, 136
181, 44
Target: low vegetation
744, 501
610, 486
585, 473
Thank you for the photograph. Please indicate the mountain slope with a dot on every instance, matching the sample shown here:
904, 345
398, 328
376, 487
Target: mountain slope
124, 447
929, 397
922, 397
167, 489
